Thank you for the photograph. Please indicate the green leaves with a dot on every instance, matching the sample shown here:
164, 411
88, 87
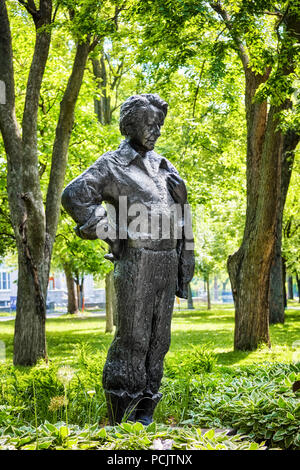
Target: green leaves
256, 401
130, 436
255, 405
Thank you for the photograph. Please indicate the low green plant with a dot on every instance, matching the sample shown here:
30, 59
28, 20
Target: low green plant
194, 360
256, 401
205, 385
126, 436
260, 404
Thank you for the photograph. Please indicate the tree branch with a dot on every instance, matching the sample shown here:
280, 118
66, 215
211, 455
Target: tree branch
118, 75
198, 87
95, 41
273, 13
55, 12
7, 109
62, 138
8, 235
237, 40
8, 122
30, 7
35, 77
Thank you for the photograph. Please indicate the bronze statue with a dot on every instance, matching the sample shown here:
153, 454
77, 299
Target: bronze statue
148, 268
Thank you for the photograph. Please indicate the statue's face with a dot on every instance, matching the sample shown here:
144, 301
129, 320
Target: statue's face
148, 127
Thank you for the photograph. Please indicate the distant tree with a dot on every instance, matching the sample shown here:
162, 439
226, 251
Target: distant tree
77, 258
291, 226
73, 303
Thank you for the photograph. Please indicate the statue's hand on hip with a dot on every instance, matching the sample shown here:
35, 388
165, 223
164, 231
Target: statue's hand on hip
91, 229
116, 248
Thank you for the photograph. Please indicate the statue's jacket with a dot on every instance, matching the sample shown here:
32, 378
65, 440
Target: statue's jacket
135, 185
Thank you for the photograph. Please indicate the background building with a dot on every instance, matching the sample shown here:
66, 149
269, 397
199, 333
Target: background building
57, 290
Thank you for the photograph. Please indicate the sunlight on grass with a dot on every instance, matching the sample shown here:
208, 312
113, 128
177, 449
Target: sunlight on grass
213, 328
205, 384
216, 328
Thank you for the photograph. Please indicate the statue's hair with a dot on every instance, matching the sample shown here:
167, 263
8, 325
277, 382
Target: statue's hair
129, 112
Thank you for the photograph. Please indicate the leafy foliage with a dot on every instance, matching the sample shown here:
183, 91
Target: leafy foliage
82, 256
256, 401
126, 436
259, 403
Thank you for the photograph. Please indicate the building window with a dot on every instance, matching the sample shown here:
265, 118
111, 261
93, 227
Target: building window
4, 281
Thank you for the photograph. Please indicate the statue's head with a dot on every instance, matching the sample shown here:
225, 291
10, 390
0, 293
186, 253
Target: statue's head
141, 117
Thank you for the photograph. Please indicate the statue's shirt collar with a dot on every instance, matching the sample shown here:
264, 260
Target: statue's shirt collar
126, 155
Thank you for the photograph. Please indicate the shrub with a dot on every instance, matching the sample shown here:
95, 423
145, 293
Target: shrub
256, 401
195, 360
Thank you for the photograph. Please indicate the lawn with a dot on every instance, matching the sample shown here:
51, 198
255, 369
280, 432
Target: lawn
206, 385
190, 327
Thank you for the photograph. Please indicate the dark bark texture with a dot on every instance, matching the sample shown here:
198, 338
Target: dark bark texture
102, 105
290, 288
250, 267
277, 299
298, 285
72, 297
34, 225
190, 298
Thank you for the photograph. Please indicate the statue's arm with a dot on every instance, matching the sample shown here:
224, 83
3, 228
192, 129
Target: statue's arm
186, 265
82, 200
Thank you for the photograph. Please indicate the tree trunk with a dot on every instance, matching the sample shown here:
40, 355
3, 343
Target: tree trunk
277, 300
77, 284
34, 226
298, 285
276, 307
284, 282
110, 304
72, 298
208, 293
80, 290
102, 106
290, 288
62, 138
216, 290
190, 298
30, 338
249, 268
23, 187
224, 284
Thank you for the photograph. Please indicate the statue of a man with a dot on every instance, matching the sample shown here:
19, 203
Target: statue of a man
149, 268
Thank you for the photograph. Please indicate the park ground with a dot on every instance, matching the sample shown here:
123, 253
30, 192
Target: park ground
209, 390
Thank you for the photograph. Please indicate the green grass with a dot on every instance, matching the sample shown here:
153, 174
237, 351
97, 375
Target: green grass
216, 328
7, 313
